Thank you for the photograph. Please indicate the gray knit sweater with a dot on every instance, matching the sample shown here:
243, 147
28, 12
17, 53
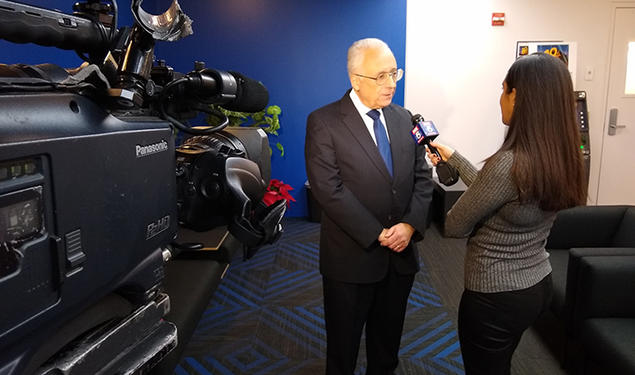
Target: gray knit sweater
506, 245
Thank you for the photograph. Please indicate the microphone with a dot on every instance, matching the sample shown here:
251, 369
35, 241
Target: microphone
425, 132
231, 90
252, 95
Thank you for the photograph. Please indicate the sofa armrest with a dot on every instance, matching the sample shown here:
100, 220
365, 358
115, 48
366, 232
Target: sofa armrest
585, 226
605, 288
625, 235
575, 255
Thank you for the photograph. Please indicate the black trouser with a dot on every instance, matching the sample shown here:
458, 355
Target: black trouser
381, 306
491, 325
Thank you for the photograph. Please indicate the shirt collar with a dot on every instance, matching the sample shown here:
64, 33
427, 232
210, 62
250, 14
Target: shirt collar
361, 107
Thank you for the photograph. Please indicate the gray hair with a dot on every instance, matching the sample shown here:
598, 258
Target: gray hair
355, 52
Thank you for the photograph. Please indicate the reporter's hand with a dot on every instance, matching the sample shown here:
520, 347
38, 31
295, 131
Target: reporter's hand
445, 151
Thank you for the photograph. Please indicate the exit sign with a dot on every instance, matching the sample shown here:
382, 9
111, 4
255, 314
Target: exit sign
498, 19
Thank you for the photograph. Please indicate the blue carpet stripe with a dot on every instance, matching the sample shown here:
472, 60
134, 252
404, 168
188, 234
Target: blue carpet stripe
453, 369
290, 281
419, 288
284, 279
305, 335
293, 231
417, 306
415, 332
273, 352
237, 294
224, 323
254, 358
258, 261
295, 369
218, 367
308, 279
435, 344
278, 273
453, 347
304, 237
421, 340
198, 367
318, 319
429, 368
219, 315
222, 305
414, 297
443, 360
268, 369
246, 367
179, 370
252, 289
300, 258
310, 250
298, 318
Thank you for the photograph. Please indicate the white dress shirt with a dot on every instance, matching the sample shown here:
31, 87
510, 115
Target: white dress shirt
368, 121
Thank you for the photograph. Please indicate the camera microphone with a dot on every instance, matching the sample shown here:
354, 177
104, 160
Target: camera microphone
425, 132
252, 95
231, 90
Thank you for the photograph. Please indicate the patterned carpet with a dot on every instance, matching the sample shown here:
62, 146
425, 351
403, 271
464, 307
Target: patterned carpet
267, 318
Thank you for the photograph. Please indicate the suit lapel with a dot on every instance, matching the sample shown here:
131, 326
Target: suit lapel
397, 141
356, 126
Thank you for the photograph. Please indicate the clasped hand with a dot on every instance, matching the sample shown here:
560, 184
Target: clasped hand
396, 237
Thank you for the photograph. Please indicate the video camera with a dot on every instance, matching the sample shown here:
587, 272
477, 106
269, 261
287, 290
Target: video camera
95, 187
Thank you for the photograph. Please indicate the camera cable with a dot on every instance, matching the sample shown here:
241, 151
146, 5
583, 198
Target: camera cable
165, 95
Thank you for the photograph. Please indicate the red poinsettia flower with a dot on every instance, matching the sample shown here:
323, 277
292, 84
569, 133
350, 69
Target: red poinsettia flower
276, 191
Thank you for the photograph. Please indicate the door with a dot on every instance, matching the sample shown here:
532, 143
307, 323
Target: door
617, 169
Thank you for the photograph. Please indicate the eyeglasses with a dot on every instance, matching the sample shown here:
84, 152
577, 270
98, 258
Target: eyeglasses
382, 78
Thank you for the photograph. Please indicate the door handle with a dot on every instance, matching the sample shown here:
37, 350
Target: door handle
613, 126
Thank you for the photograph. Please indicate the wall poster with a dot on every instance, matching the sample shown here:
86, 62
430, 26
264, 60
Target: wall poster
565, 51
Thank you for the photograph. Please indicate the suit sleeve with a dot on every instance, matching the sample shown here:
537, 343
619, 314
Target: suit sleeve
335, 199
419, 207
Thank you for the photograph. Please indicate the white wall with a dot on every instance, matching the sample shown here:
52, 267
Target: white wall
456, 62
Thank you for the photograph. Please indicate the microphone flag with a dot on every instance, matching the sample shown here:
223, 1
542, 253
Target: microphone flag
424, 131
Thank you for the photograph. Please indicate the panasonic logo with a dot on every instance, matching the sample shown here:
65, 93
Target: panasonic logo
151, 148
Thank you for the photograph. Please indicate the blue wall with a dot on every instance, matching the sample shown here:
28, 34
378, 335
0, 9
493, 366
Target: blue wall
296, 48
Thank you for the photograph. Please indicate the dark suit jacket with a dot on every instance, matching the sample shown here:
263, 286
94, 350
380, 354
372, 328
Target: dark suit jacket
358, 197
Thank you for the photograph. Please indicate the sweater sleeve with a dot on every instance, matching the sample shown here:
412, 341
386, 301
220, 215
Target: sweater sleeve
491, 189
467, 171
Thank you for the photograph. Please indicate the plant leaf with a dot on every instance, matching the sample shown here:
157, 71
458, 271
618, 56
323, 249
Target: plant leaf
280, 148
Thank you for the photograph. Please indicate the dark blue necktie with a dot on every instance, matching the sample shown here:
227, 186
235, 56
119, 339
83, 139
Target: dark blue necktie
382, 139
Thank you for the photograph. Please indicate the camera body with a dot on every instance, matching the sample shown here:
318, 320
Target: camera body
93, 190
89, 211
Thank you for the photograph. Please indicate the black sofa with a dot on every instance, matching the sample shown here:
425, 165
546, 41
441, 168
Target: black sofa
604, 314
578, 237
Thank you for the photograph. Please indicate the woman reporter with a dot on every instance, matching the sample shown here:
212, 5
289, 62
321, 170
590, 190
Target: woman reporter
509, 208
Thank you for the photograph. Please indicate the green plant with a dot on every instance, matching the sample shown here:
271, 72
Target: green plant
267, 120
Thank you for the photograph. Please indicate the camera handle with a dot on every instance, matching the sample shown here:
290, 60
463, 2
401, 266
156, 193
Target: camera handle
20, 23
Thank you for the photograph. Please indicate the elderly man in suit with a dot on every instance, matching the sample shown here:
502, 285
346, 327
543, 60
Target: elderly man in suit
374, 187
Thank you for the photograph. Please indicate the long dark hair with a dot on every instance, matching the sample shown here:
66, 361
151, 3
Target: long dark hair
543, 135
